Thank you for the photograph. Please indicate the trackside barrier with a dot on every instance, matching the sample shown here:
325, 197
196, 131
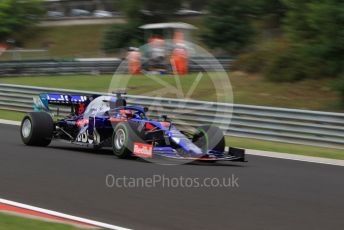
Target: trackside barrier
61, 67
314, 128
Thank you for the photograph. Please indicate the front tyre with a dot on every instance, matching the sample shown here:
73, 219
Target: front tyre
37, 129
120, 141
209, 138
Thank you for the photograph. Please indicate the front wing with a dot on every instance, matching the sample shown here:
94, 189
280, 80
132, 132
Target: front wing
233, 154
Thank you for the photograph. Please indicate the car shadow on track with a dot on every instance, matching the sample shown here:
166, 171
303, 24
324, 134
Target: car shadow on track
86, 150
108, 152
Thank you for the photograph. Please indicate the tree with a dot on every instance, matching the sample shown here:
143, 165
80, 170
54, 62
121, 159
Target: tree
196, 4
16, 15
316, 30
138, 12
149, 11
270, 12
228, 25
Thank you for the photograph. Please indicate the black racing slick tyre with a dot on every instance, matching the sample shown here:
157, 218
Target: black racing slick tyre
209, 138
37, 129
124, 136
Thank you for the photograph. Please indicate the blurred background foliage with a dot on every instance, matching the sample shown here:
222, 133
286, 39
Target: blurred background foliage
283, 40
293, 39
287, 40
17, 15
138, 12
228, 25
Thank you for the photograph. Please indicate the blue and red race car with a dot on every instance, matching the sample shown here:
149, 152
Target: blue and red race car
107, 121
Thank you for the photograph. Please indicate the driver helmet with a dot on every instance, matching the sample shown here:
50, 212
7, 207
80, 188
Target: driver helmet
126, 113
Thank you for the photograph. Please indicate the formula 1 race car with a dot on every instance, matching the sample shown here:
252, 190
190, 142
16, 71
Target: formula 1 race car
107, 121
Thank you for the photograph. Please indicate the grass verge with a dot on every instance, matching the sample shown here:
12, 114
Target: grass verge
247, 89
11, 115
12, 222
138, 84
306, 150
245, 143
65, 41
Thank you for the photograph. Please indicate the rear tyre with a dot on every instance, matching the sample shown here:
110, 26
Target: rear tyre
209, 138
124, 136
37, 129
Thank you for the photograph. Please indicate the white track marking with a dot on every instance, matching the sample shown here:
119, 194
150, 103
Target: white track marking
287, 156
8, 122
62, 215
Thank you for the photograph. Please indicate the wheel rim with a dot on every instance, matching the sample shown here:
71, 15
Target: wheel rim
119, 138
26, 128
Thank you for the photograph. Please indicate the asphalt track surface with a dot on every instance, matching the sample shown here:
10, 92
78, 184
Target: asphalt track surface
272, 193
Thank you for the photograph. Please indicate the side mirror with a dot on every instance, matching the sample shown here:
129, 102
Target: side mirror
145, 109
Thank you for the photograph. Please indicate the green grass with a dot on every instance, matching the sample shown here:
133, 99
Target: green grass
245, 143
66, 41
137, 84
73, 41
248, 89
11, 115
81, 82
311, 94
248, 143
12, 222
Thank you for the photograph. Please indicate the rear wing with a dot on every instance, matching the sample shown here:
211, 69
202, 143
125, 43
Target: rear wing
42, 101
62, 99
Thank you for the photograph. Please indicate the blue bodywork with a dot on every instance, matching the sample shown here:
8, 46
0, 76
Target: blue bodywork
97, 129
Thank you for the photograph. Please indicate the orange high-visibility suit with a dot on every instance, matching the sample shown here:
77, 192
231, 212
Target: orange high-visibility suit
134, 62
179, 60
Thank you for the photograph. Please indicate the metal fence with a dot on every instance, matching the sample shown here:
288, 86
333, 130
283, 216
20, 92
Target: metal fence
266, 123
64, 67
